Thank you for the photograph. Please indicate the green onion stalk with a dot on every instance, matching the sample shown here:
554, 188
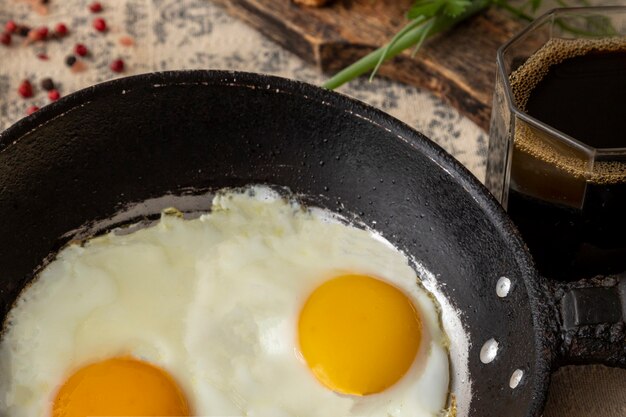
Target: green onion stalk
430, 17
413, 34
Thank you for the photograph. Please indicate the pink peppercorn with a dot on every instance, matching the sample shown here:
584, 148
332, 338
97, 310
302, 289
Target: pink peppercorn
126, 41
38, 34
80, 49
32, 109
117, 65
100, 24
42, 32
60, 29
54, 95
5, 38
43, 56
25, 89
33, 35
95, 7
11, 26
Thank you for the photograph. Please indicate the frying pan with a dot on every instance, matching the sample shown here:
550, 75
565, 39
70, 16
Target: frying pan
108, 154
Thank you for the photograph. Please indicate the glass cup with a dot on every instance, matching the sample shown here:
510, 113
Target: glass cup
566, 194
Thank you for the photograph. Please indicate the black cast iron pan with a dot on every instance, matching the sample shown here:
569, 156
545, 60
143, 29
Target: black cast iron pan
89, 156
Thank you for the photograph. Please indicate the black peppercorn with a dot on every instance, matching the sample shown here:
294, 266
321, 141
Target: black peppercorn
47, 84
23, 31
70, 60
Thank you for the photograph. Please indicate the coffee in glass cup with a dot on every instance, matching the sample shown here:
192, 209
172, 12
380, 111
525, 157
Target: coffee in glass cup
557, 156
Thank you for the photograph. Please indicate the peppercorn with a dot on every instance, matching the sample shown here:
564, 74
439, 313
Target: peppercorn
47, 84
80, 49
10, 27
42, 32
70, 60
54, 95
100, 24
23, 31
117, 65
60, 29
38, 34
95, 7
32, 109
5, 38
126, 41
25, 89
79, 66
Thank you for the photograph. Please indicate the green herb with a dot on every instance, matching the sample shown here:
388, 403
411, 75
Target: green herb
426, 19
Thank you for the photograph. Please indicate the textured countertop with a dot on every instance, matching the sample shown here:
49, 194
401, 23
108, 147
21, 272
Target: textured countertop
185, 34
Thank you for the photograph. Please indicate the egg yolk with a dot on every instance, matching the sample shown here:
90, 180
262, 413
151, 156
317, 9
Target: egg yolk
120, 387
358, 334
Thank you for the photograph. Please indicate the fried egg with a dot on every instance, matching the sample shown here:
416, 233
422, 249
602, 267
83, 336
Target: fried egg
261, 307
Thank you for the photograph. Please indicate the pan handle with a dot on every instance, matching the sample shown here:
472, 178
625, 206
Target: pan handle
591, 320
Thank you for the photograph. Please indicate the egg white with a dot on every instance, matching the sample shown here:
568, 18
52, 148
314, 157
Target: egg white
215, 302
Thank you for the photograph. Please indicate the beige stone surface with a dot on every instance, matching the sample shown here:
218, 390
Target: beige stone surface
190, 34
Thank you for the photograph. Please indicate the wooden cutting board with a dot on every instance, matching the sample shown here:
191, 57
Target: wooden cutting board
458, 66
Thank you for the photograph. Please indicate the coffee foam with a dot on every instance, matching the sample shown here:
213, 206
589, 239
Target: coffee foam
524, 79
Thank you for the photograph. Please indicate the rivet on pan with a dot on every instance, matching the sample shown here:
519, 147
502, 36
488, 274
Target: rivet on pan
503, 287
489, 351
516, 378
